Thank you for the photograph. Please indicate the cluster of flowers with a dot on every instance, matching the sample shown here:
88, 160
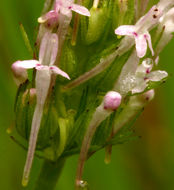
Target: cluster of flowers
134, 78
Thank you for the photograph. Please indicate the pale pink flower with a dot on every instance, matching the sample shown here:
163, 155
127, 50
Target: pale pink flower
47, 57
143, 75
64, 7
45, 69
139, 31
141, 39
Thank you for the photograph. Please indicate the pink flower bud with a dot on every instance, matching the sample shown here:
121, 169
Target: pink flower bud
147, 96
112, 100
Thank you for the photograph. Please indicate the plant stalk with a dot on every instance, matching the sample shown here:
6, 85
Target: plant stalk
49, 174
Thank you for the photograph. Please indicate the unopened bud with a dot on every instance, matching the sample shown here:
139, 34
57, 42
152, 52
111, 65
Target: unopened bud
112, 100
32, 95
147, 96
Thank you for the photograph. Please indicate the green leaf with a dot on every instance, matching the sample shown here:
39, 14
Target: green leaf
26, 40
63, 135
30, 74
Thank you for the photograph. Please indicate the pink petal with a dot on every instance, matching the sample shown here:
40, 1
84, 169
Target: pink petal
58, 71
48, 49
125, 30
80, 9
141, 45
27, 64
51, 14
157, 60
51, 18
148, 38
54, 45
58, 5
42, 67
43, 46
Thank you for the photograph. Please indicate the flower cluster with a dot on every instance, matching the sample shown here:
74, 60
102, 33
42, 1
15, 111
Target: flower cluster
124, 77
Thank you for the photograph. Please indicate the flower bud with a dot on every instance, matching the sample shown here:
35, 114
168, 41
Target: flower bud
32, 96
147, 96
112, 100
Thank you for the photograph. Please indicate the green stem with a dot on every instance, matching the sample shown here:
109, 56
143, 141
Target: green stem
49, 174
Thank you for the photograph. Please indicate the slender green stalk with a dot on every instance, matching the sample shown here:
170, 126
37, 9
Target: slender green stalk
49, 174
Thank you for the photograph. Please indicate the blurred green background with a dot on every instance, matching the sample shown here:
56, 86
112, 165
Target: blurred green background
145, 164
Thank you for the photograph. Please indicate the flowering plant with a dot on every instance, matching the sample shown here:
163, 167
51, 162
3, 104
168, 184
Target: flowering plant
87, 84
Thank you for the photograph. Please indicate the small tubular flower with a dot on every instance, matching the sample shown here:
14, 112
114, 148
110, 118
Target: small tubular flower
144, 74
139, 31
110, 103
47, 57
141, 39
45, 68
136, 79
62, 7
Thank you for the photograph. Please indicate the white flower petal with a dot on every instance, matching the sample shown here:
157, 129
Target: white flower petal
157, 75
27, 64
43, 46
43, 78
148, 38
140, 86
48, 49
141, 45
42, 67
54, 45
123, 30
80, 9
58, 71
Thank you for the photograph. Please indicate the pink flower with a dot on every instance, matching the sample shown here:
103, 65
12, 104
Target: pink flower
64, 7
143, 75
47, 57
139, 31
141, 39
45, 68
